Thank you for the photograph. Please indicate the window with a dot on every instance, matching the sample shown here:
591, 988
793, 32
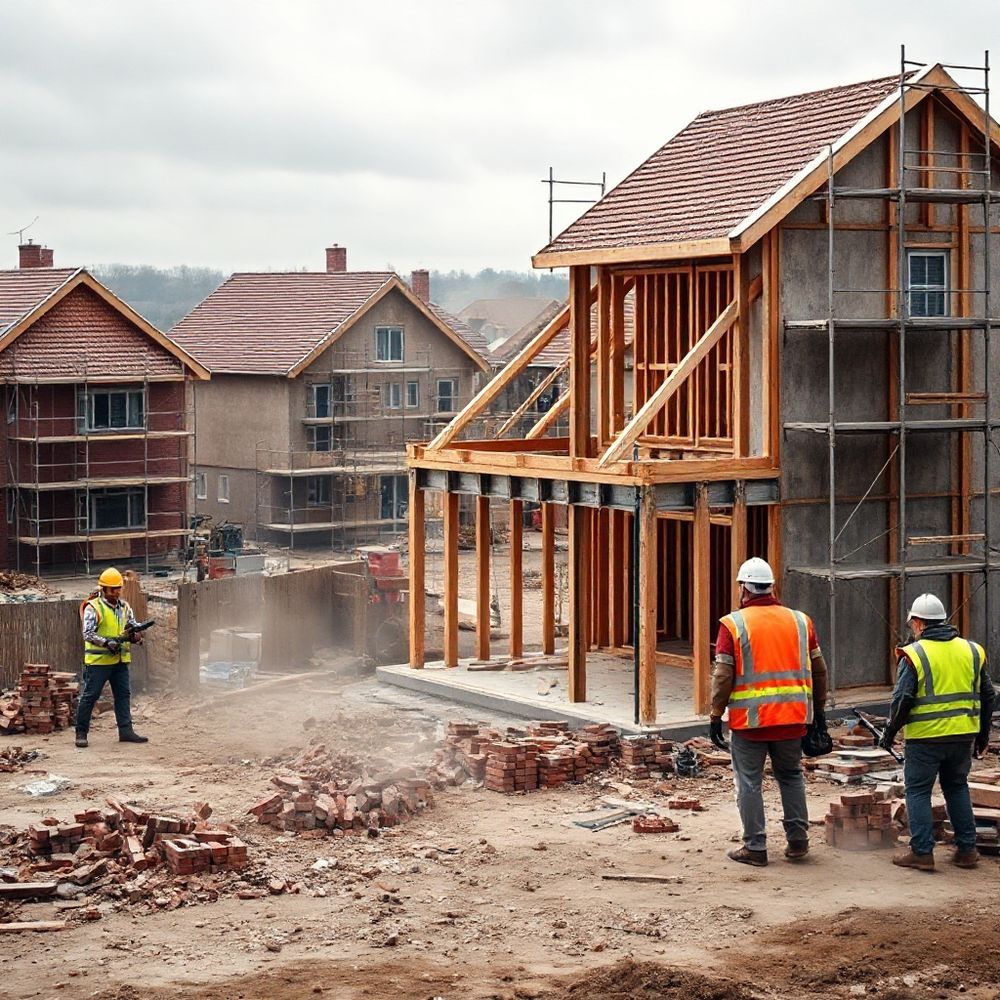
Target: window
447, 395
318, 491
412, 395
116, 510
393, 493
319, 438
928, 282
388, 343
318, 404
223, 489
201, 486
114, 409
392, 395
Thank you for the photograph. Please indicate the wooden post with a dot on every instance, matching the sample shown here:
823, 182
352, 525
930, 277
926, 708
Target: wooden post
616, 578
483, 578
738, 538
516, 578
774, 552
740, 375
616, 367
579, 364
451, 579
417, 553
647, 608
579, 569
548, 580
604, 373
603, 571
701, 625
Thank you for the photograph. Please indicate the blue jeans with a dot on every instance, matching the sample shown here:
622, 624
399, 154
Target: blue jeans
950, 763
94, 679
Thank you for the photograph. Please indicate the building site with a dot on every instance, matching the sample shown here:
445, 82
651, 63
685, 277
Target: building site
358, 642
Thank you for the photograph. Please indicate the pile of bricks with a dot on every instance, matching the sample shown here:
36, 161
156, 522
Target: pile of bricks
45, 700
642, 754
602, 741
863, 820
654, 824
512, 767
317, 801
125, 839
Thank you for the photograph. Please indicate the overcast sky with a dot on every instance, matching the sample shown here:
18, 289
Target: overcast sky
249, 135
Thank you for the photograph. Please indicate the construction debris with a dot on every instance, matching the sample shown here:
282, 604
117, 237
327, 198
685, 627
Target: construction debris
16, 757
44, 701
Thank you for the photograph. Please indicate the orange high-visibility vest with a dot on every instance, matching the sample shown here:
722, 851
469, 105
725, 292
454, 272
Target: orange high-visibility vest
773, 676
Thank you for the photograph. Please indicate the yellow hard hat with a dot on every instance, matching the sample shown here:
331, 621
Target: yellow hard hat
110, 578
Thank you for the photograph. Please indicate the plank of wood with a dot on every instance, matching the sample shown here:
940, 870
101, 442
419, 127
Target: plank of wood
648, 591
738, 539
450, 504
701, 625
657, 879
417, 556
483, 532
740, 372
548, 579
579, 566
516, 578
39, 926
579, 361
621, 446
27, 890
985, 795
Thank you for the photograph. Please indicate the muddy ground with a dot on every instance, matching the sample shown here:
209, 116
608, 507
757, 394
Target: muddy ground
483, 895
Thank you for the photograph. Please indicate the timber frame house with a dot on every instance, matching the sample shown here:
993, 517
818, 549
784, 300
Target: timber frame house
744, 245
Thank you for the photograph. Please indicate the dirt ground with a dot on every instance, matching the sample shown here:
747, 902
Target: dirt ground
483, 895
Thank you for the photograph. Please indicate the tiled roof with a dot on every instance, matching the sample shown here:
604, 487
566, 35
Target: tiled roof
267, 323
715, 172
23, 290
81, 337
473, 338
505, 316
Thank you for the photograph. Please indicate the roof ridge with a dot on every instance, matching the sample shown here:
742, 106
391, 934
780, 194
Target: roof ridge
802, 94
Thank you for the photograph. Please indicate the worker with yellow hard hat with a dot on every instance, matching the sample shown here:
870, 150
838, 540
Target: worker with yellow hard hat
107, 642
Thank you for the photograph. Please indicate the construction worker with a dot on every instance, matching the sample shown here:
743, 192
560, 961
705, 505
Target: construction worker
770, 672
106, 656
943, 701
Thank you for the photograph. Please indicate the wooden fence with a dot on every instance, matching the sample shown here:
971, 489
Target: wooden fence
39, 632
294, 612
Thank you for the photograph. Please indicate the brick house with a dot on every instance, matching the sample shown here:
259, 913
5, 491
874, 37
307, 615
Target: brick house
97, 431
318, 381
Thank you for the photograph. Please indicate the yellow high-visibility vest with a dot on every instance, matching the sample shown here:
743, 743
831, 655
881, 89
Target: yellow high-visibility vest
107, 628
948, 676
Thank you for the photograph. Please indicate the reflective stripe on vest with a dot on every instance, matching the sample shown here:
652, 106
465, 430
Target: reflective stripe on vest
948, 674
773, 677
107, 628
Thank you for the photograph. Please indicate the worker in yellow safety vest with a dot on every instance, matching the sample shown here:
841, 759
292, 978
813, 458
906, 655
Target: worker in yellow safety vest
770, 673
107, 642
943, 702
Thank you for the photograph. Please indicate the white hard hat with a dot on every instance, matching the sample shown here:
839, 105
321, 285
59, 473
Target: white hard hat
928, 608
756, 570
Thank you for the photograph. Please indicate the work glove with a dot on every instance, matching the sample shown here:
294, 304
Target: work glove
888, 738
819, 717
715, 733
982, 744
112, 645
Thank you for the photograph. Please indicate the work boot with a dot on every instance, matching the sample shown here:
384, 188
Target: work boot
796, 849
131, 736
747, 857
965, 859
81, 738
907, 859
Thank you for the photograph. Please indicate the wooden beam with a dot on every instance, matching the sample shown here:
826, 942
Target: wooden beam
601, 581
548, 579
740, 375
579, 361
616, 370
622, 445
717, 247
516, 578
512, 420
701, 638
617, 557
549, 417
604, 372
417, 554
450, 504
775, 554
579, 575
738, 539
493, 389
648, 566
483, 532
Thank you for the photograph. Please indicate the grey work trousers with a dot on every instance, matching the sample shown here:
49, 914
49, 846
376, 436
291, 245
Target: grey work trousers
749, 757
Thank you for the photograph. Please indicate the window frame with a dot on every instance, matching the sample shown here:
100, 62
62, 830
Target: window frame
319, 485
389, 332
136, 515
135, 397
312, 403
453, 395
392, 395
201, 486
415, 386
318, 431
925, 289
222, 488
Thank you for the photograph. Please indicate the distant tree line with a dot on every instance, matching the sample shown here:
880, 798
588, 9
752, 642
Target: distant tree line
166, 295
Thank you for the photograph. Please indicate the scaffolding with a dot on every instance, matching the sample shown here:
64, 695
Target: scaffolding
61, 461
348, 484
962, 410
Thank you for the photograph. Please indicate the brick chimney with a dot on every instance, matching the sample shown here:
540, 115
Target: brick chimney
336, 259
420, 284
33, 255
